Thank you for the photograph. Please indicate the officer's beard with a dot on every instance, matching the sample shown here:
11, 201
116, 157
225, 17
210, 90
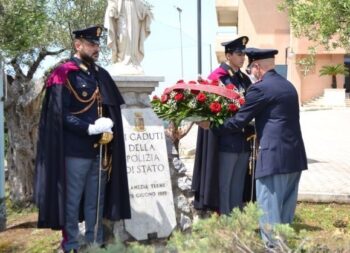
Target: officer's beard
87, 58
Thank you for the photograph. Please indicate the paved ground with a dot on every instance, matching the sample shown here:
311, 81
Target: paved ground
327, 140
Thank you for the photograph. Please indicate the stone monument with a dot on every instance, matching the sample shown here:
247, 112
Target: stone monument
151, 196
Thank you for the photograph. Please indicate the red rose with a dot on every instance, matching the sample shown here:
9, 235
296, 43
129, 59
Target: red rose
201, 97
195, 92
192, 82
215, 107
214, 82
164, 98
232, 107
155, 97
230, 86
202, 81
180, 81
179, 96
241, 101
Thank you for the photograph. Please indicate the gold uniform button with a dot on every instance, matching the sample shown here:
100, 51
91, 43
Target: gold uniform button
84, 94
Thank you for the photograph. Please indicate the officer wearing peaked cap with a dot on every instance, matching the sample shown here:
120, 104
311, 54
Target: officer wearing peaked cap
237, 45
91, 34
80, 111
255, 54
273, 102
221, 163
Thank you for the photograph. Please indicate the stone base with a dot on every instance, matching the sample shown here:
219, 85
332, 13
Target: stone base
136, 90
334, 97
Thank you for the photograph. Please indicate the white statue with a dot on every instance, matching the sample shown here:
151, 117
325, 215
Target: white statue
128, 23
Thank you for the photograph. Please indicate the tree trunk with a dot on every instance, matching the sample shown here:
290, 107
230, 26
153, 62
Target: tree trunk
22, 114
334, 82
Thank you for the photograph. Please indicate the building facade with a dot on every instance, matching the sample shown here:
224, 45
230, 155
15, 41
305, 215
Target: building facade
268, 27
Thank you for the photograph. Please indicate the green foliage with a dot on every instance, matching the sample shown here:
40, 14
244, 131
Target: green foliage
306, 64
69, 15
333, 70
22, 26
122, 248
32, 29
235, 233
316, 228
324, 21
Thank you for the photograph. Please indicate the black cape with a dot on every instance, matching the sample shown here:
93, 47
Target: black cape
205, 179
49, 188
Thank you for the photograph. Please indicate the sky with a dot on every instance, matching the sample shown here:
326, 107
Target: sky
163, 46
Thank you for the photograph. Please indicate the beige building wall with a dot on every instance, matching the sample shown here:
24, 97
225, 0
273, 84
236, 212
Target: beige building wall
267, 27
312, 85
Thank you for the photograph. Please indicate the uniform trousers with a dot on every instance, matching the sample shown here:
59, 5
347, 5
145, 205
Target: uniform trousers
277, 197
82, 176
232, 171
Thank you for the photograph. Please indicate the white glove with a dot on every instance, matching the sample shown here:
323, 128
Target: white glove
101, 125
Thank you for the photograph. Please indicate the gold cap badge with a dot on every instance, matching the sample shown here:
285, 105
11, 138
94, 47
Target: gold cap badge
98, 31
244, 41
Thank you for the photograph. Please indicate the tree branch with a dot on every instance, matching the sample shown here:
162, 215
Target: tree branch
43, 53
18, 71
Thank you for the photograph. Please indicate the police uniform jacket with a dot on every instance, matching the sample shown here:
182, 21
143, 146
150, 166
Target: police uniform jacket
273, 102
76, 120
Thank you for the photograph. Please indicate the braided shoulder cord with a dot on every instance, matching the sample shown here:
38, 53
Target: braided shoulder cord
91, 100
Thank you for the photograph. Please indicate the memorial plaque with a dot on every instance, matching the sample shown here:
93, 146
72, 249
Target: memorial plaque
151, 197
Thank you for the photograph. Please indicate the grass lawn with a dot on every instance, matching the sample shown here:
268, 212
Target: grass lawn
319, 218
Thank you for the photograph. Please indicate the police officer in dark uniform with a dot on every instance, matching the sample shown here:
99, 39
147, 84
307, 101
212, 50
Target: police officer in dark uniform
273, 102
77, 150
224, 159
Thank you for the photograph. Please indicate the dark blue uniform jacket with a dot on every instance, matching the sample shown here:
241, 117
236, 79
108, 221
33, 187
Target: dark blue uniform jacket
77, 141
273, 102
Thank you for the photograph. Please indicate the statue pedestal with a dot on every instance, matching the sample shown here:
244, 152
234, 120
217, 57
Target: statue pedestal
150, 186
137, 89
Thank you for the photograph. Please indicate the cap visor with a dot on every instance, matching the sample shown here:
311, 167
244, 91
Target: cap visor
97, 42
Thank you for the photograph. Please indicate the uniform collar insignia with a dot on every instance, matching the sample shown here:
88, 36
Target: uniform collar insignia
83, 67
230, 72
98, 32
